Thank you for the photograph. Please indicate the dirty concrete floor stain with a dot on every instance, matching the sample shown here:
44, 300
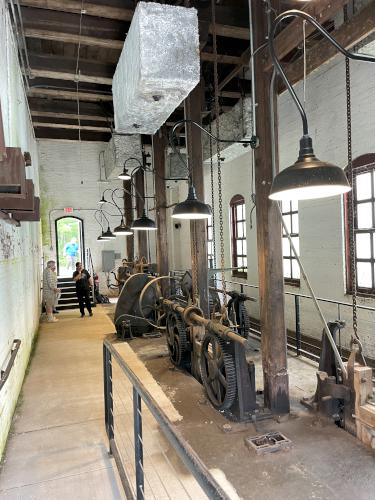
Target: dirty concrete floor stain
325, 462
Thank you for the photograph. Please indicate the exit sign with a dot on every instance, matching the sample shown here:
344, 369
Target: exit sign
68, 210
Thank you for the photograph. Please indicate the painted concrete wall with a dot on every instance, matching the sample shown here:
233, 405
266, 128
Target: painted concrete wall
321, 221
20, 249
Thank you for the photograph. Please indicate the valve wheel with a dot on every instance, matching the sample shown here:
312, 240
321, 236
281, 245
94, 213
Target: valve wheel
218, 372
177, 340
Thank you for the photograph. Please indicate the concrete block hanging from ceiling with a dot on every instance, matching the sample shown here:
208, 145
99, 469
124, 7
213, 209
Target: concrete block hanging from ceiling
158, 66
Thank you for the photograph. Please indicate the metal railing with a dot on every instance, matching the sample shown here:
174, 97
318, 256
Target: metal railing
303, 345
298, 340
91, 270
4, 374
128, 403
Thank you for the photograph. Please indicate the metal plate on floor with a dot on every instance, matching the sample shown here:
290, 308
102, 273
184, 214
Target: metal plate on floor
268, 443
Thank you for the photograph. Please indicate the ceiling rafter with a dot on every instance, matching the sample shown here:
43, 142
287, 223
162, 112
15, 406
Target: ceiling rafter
359, 27
122, 14
289, 38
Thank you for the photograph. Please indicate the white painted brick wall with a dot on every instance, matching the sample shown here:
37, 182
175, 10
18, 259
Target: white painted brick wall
20, 248
69, 174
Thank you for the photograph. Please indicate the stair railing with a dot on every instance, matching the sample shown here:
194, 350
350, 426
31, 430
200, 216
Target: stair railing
91, 270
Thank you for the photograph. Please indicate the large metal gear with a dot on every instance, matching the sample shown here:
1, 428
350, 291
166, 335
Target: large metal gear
177, 341
218, 372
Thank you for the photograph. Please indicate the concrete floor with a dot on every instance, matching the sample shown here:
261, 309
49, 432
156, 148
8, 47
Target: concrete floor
58, 446
325, 462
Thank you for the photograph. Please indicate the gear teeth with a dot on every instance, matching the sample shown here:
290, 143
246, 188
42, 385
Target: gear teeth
230, 374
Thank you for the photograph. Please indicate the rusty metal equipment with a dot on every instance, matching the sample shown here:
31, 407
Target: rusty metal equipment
216, 355
139, 309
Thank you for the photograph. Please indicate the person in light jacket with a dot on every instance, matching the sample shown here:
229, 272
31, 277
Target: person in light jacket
50, 290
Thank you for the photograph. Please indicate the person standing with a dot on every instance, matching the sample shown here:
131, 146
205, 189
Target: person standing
50, 290
70, 252
83, 282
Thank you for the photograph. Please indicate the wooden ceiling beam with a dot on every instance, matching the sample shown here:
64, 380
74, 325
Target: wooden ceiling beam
359, 27
245, 58
74, 7
60, 75
59, 36
91, 41
71, 127
65, 94
69, 116
289, 38
231, 31
121, 14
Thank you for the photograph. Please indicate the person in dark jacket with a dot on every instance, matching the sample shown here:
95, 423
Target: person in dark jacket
83, 282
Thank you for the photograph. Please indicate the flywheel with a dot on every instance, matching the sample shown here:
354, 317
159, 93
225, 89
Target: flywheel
218, 372
177, 340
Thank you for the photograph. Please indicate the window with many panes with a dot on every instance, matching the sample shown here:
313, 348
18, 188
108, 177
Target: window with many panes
364, 224
210, 246
290, 264
238, 229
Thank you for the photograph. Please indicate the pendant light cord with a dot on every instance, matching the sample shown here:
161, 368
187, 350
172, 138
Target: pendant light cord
298, 13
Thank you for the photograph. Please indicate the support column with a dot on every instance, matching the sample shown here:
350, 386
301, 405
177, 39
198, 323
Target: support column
198, 229
140, 204
159, 143
270, 261
128, 208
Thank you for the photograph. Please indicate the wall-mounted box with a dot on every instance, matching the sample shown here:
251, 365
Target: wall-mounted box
12, 174
27, 203
28, 215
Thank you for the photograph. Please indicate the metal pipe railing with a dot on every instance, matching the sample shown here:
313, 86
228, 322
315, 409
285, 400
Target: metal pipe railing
4, 374
141, 395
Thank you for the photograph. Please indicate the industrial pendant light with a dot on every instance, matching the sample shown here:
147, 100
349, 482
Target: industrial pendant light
144, 223
101, 237
109, 235
309, 177
192, 208
102, 200
122, 229
125, 176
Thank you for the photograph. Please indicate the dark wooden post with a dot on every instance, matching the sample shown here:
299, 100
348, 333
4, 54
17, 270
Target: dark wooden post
140, 205
159, 142
270, 263
128, 208
198, 229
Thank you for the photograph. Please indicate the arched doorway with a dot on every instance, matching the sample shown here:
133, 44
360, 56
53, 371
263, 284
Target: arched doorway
69, 244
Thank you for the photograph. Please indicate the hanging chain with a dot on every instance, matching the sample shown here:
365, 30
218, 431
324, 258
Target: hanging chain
219, 181
351, 214
212, 200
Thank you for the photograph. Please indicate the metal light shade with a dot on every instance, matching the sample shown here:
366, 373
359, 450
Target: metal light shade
309, 178
108, 234
192, 208
102, 237
125, 176
144, 223
102, 200
122, 229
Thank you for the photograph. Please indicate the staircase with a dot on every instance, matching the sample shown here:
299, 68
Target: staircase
68, 299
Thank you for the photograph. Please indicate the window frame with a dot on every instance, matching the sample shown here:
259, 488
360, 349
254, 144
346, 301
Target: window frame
237, 200
362, 164
290, 281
